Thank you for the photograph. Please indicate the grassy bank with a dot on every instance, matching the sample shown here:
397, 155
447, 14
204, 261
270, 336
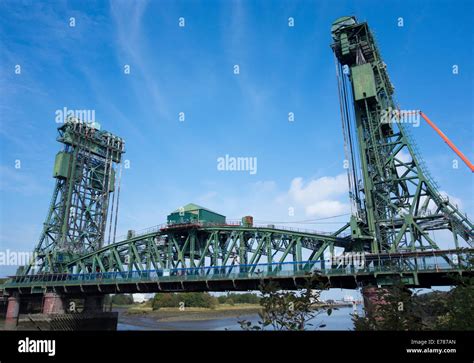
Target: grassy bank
194, 313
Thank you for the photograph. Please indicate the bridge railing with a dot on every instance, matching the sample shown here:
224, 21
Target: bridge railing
273, 226
142, 232
251, 271
228, 223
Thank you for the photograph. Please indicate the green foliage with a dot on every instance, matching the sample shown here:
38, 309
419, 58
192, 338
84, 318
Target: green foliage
184, 299
395, 310
165, 300
400, 310
122, 299
459, 306
247, 298
287, 310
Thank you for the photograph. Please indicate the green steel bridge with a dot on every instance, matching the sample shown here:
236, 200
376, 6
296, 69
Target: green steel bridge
207, 257
396, 208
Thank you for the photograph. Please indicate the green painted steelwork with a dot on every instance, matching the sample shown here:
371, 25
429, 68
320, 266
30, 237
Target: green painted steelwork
185, 246
194, 213
408, 267
363, 81
61, 165
85, 178
396, 204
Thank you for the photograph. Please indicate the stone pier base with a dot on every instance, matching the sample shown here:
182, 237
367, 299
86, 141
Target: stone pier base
13, 312
54, 317
53, 303
373, 297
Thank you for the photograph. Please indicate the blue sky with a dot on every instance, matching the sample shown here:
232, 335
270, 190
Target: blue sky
190, 69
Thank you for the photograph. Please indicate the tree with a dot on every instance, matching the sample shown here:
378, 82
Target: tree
246, 298
119, 299
400, 309
460, 306
288, 310
165, 300
185, 299
394, 308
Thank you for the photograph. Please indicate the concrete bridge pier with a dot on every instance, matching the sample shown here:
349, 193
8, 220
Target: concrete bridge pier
53, 313
372, 299
53, 303
376, 297
13, 312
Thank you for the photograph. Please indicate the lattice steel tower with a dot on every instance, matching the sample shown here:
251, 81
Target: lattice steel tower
83, 198
395, 202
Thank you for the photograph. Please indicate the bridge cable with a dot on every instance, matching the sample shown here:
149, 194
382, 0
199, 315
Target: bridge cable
118, 199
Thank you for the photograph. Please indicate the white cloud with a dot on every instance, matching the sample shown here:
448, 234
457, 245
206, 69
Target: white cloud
326, 208
318, 189
452, 199
266, 200
404, 156
321, 197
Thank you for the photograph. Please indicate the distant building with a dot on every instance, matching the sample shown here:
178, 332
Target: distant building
348, 298
193, 213
139, 298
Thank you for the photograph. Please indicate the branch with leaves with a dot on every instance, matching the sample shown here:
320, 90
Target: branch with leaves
289, 310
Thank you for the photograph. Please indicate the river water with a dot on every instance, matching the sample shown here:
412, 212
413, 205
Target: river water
339, 320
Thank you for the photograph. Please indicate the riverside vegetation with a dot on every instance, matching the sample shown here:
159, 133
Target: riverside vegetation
402, 308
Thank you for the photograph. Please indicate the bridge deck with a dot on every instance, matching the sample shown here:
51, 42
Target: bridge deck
416, 269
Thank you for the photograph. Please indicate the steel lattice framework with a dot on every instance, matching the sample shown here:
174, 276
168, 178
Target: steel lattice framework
195, 246
396, 203
85, 179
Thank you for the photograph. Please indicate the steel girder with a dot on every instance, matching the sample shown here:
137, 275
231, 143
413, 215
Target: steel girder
171, 248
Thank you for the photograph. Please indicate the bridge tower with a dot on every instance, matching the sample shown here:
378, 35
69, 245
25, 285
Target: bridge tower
83, 200
395, 202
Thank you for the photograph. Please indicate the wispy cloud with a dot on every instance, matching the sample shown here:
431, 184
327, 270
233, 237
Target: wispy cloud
236, 40
133, 49
321, 197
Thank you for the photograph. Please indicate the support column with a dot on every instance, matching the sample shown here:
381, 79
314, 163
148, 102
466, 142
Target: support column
13, 311
376, 297
94, 303
371, 299
53, 303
